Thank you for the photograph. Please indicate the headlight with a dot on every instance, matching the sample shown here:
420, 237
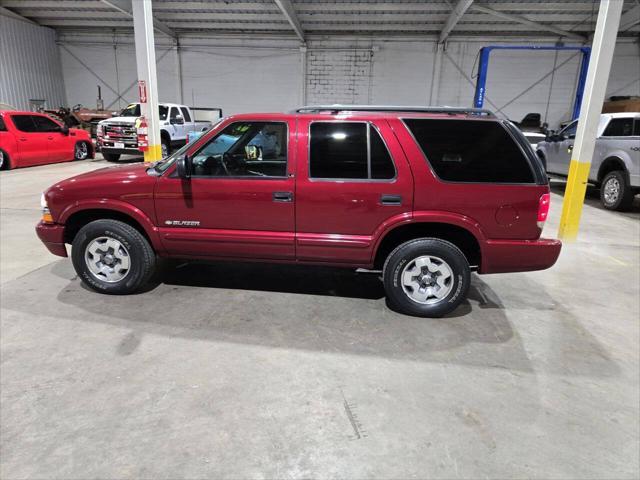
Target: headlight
99, 130
46, 214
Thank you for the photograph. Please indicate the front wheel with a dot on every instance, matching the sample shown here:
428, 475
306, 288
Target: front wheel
426, 277
81, 151
165, 147
112, 257
615, 191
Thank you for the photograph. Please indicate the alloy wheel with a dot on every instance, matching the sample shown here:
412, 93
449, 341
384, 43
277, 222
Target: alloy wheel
427, 279
611, 191
82, 151
107, 259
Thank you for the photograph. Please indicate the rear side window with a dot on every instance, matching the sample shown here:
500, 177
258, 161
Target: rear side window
619, 127
185, 114
471, 151
24, 123
348, 150
636, 128
3, 127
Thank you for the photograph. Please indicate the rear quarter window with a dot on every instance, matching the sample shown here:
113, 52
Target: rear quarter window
3, 127
471, 151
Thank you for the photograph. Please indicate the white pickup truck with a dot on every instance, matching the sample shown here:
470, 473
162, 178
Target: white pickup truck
117, 136
615, 166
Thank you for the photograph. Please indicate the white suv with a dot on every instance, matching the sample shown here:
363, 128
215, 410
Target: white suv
615, 166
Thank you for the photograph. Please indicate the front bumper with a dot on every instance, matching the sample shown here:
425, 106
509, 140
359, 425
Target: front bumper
501, 256
52, 235
120, 151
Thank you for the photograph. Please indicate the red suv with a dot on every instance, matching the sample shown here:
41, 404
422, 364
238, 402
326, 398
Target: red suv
29, 138
425, 195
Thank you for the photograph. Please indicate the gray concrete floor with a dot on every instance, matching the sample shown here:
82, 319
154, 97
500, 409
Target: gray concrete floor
301, 372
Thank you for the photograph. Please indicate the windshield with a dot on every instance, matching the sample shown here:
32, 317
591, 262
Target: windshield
133, 110
161, 166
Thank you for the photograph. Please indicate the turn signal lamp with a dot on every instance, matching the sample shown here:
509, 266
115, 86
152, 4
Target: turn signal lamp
543, 209
46, 214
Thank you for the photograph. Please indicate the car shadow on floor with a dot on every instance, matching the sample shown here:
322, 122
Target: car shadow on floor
335, 282
315, 309
592, 198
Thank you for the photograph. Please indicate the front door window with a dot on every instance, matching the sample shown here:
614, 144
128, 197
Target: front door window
244, 149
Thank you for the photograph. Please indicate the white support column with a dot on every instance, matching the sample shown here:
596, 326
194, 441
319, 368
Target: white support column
180, 83
435, 75
303, 73
604, 43
146, 62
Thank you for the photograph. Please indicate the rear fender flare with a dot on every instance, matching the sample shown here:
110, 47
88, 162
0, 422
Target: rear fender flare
422, 217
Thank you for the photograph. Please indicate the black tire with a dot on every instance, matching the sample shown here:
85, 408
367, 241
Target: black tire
543, 159
111, 157
623, 199
404, 256
81, 151
166, 147
142, 258
5, 163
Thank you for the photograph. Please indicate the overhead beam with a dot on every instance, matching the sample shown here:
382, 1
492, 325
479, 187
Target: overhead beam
454, 17
630, 18
526, 21
8, 13
286, 7
124, 6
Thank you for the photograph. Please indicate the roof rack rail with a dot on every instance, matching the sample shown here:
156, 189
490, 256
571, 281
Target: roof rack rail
394, 108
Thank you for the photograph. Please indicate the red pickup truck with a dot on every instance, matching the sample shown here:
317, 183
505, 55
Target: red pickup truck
424, 195
29, 138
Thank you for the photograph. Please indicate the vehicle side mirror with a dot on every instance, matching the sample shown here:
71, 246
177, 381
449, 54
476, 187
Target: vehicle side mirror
253, 152
64, 130
183, 166
178, 120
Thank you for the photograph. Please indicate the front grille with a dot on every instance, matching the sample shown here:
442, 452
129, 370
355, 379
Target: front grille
120, 131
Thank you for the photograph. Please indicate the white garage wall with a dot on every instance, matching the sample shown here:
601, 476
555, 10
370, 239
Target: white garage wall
29, 65
268, 74
87, 65
240, 79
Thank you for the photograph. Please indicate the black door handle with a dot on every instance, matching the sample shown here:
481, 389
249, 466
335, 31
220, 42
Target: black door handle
282, 196
391, 200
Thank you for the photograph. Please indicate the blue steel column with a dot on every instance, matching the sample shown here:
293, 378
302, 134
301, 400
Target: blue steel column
481, 82
582, 80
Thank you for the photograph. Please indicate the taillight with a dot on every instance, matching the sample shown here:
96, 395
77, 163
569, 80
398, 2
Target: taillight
543, 209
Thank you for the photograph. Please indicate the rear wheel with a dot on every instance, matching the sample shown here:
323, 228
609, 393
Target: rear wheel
4, 161
426, 277
112, 257
81, 151
543, 159
615, 191
111, 157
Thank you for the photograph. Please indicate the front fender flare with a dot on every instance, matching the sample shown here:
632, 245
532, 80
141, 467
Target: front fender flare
117, 206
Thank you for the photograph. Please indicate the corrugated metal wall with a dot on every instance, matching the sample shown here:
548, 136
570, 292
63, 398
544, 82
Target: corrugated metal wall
30, 66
